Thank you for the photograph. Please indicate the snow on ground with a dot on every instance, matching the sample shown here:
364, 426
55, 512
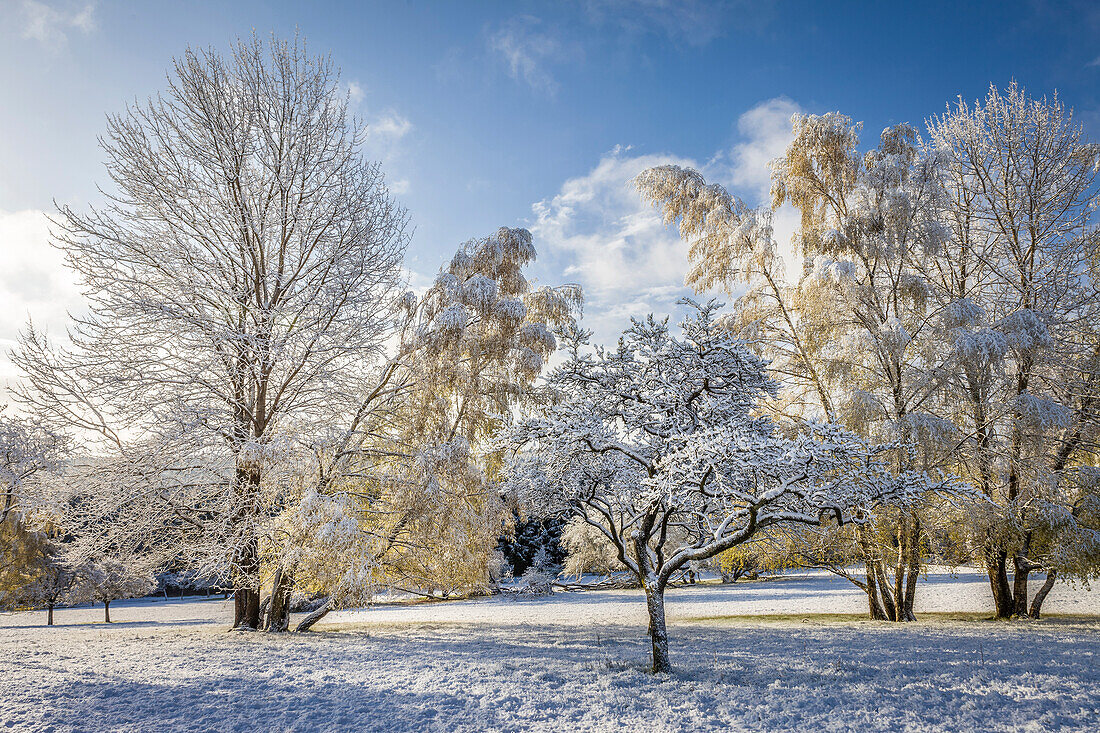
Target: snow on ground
575, 661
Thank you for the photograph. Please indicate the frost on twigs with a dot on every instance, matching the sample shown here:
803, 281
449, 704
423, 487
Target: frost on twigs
242, 275
658, 444
407, 497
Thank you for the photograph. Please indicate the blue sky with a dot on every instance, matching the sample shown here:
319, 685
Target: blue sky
525, 113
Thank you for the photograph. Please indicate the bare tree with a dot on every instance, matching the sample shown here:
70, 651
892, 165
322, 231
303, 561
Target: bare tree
27, 448
241, 276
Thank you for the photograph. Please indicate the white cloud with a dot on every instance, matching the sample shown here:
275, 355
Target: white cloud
384, 142
50, 25
383, 136
766, 132
34, 282
355, 93
1094, 62
390, 126
526, 51
597, 231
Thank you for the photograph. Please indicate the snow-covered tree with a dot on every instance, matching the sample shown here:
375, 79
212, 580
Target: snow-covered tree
588, 550
28, 450
406, 498
855, 338
49, 580
659, 445
27, 447
107, 579
530, 536
241, 279
1019, 287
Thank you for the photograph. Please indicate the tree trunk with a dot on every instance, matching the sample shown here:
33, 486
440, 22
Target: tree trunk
885, 595
658, 634
874, 602
995, 565
107, 611
1037, 602
246, 609
49, 615
307, 623
913, 570
902, 535
1021, 569
264, 604
246, 596
278, 610
874, 595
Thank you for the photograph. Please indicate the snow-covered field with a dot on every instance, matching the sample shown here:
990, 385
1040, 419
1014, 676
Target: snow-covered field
749, 656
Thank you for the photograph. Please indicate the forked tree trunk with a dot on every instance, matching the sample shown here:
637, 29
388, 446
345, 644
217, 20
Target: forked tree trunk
107, 611
874, 601
49, 615
908, 596
995, 565
885, 595
658, 633
874, 596
1037, 602
278, 610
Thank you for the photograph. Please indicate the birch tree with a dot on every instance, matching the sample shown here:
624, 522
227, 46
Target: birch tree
241, 277
1023, 183
855, 339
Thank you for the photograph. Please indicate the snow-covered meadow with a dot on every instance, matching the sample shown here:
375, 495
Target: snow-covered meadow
784, 654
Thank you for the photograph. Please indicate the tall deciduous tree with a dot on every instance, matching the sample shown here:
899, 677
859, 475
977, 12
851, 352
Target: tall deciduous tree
854, 339
1020, 281
240, 276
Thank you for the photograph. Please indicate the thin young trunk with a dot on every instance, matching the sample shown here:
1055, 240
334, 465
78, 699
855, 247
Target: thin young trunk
884, 592
658, 634
49, 615
322, 611
899, 569
107, 611
278, 611
913, 570
1037, 602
